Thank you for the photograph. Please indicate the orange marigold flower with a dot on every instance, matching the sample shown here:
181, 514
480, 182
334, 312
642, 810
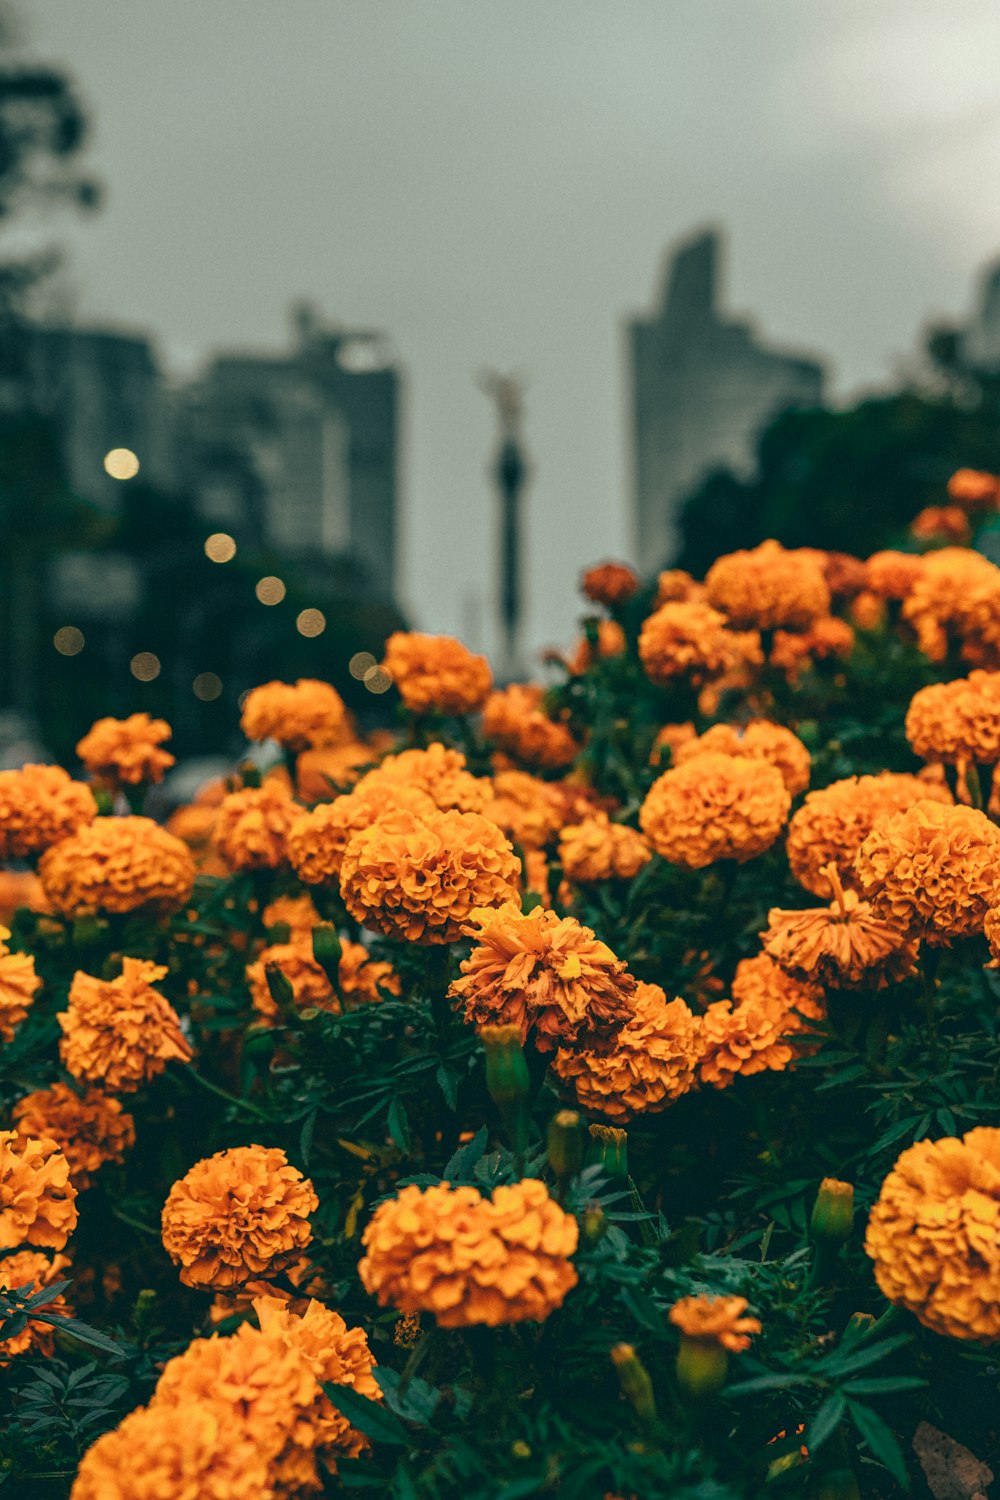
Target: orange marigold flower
310, 985
514, 719
362, 978
932, 871
317, 839
21, 889
826, 639
760, 978
546, 974
597, 849
297, 715
654, 1060
162, 1453
957, 721
945, 523
39, 805
715, 807
769, 587
842, 945
846, 575
671, 738
934, 1235
610, 642
939, 601
833, 822
297, 913
194, 825
991, 931
27, 1272
117, 865
18, 986
689, 639
530, 811
127, 751
419, 876
752, 1035
238, 1214
609, 583
120, 1032
467, 1259
330, 770
758, 740
436, 673
891, 575
37, 1199
253, 826
676, 585
718, 1320
89, 1129
974, 489
438, 771
868, 611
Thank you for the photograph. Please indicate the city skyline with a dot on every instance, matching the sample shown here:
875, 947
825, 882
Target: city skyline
487, 207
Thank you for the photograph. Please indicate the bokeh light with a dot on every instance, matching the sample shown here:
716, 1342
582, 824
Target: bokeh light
220, 547
68, 641
377, 680
121, 463
311, 622
360, 663
270, 590
207, 686
144, 666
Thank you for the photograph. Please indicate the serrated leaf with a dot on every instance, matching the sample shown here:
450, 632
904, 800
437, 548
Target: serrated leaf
398, 1122
887, 1385
826, 1421
447, 1082
881, 1441
837, 1366
370, 1417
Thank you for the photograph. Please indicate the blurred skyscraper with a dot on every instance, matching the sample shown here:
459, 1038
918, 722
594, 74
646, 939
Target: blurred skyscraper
703, 388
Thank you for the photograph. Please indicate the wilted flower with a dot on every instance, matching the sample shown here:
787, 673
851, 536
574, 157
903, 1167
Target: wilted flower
419, 876
468, 1259
89, 1129
436, 673
121, 1032
758, 740
515, 720
546, 974
37, 1199
251, 832
236, 1215
39, 805
715, 807
597, 849
117, 865
842, 945
127, 752
934, 1234
769, 587
298, 715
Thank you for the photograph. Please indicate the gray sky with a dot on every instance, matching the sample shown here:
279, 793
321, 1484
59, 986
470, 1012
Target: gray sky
495, 181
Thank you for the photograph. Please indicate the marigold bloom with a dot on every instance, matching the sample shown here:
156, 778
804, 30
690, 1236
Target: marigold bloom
117, 865
162, 1453
715, 807
194, 825
298, 715
957, 721
127, 751
891, 575
362, 979
842, 945
546, 974
253, 826
30, 1271
37, 1199
689, 639
744, 1039
21, 889
610, 642
515, 720
436, 673
945, 523
419, 876
934, 1235
833, 822
330, 770
769, 587
438, 771
317, 839
828, 638
653, 1061
670, 739
846, 576
89, 1129
609, 583
121, 1032
676, 585
938, 603
18, 986
974, 489
932, 871
39, 805
719, 1320
597, 849
310, 985
760, 978
758, 740
868, 611
297, 913
530, 811
467, 1259
236, 1215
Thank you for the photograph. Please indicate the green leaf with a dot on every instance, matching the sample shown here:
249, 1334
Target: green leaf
881, 1441
447, 1082
765, 1383
465, 1158
888, 1385
836, 1366
826, 1421
369, 1417
82, 1332
399, 1124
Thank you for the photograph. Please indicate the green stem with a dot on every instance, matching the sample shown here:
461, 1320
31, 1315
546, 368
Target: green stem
243, 1104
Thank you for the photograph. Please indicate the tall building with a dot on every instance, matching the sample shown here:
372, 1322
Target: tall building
703, 388
298, 452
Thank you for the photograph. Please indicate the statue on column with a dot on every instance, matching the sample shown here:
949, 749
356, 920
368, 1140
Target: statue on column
510, 471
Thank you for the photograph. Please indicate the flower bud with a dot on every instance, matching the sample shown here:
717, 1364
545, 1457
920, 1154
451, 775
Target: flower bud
595, 1224
702, 1366
566, 1143
281, 990
859, 1323
833, 1212
327, 951
633, 1377
507, 1077
609, 1150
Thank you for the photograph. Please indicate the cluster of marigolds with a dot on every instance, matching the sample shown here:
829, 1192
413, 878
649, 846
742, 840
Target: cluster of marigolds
415, 843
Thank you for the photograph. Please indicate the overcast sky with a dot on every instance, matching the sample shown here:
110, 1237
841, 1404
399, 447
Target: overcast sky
494, 182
